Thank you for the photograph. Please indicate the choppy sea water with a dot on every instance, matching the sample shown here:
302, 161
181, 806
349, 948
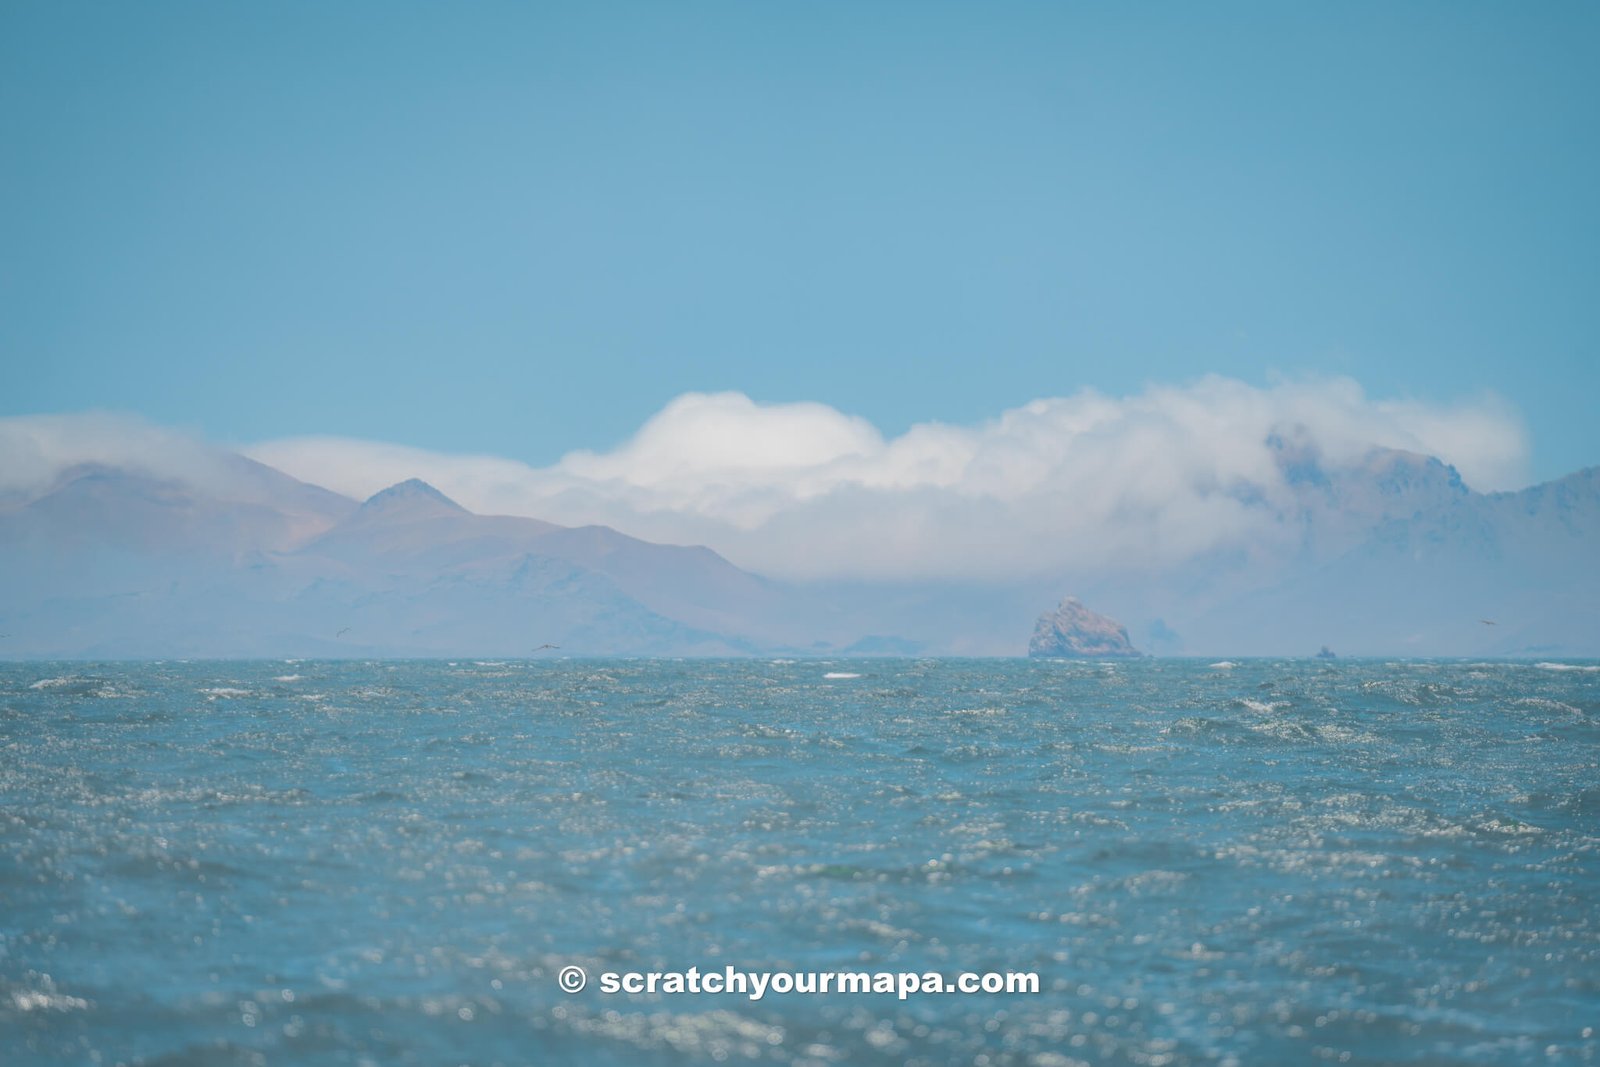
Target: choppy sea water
388, 863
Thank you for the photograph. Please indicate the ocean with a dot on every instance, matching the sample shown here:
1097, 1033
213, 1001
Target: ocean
1262, 862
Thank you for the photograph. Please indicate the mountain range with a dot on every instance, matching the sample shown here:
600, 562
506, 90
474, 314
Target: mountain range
1393, 555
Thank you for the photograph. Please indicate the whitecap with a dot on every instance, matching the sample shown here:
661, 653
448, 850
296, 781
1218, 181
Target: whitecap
1587, 668
287, 678
53, 683
840, 674
1547, 705
1224, 665
35, 1000
225, 692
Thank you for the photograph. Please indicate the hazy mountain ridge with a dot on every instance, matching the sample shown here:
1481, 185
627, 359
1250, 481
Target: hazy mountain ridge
1391, 554
1398, 556
111, 563
99, 504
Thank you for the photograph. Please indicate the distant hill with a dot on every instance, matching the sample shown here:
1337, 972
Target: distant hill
1393, 556
1390, 555
119, 563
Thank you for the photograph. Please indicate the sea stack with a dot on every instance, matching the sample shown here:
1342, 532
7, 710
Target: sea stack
1072, 631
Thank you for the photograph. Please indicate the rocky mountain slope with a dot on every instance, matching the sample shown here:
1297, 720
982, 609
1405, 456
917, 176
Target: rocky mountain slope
1387, 555
112, 563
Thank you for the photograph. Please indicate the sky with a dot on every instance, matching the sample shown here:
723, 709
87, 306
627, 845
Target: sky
528, 231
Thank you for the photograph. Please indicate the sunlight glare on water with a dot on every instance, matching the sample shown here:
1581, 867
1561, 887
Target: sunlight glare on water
1268, 862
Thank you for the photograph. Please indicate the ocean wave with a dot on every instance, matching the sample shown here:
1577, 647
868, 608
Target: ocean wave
35, 1000
1546, 704
54, 683
733, 812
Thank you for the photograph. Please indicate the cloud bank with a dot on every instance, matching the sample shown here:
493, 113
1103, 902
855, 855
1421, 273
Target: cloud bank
803, 490
35, 449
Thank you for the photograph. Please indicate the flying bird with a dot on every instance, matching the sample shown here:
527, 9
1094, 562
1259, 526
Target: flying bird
342, 632
1487, 622
541, 648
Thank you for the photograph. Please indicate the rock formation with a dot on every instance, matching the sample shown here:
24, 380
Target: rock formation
1072, 631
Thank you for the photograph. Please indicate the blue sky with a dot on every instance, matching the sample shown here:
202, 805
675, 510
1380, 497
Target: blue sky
521, 230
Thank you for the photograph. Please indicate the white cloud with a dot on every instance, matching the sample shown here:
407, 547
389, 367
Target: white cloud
804, 490
35, 449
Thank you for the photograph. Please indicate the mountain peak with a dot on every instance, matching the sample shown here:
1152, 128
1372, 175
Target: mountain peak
411, 499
